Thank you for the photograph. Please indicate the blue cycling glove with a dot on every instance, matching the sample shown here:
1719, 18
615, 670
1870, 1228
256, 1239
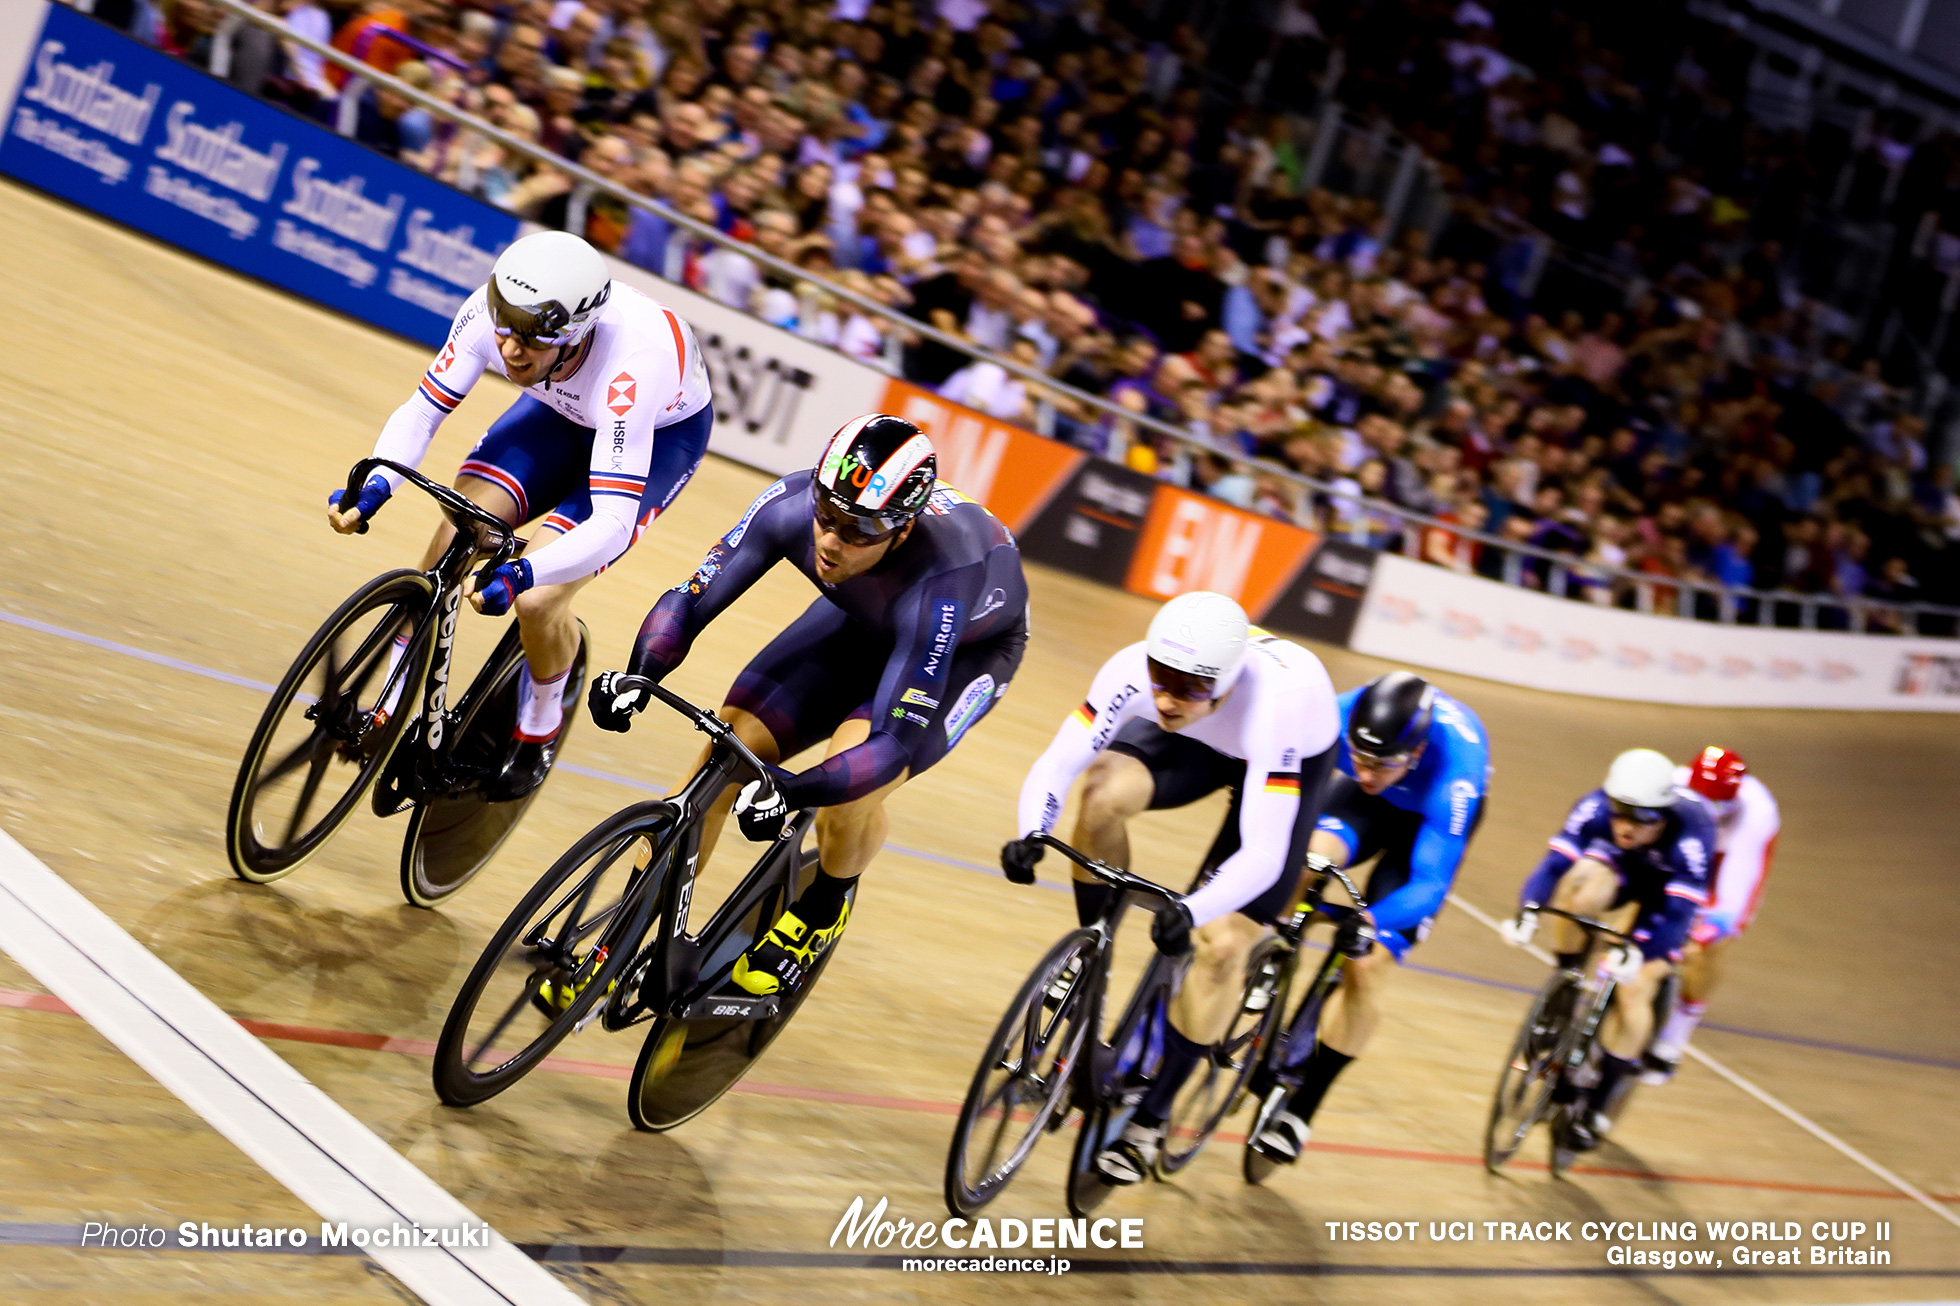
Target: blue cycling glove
503, 586
373, 495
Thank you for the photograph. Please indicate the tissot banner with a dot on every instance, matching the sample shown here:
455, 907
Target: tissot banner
141, 138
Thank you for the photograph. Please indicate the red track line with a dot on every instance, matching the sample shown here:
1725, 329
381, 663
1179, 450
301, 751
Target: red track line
608, 1070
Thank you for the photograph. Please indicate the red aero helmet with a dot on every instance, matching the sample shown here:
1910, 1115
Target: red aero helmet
1716, 774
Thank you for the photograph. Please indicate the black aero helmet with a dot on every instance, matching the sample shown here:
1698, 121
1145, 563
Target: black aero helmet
878, 470
1390, 718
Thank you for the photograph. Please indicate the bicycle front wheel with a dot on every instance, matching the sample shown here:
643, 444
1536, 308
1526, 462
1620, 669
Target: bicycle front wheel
1023, 1076
320, 743
1213, 1090
1524, 1086
561, 950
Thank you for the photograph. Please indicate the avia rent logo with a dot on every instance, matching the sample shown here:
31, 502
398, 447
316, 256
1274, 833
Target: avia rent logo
871, 1229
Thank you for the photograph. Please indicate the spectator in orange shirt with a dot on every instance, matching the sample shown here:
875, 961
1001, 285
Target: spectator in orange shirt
366, 38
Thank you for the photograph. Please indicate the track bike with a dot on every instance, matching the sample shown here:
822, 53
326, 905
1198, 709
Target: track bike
1047, 1057
1557, 1046
1279, 1062
603, 937
321, 743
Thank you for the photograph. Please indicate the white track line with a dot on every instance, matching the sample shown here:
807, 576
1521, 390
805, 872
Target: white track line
249, 1094
1789, 1113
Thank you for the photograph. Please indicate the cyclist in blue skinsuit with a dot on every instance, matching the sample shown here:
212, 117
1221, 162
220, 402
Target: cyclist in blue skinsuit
919, 624
1408, 783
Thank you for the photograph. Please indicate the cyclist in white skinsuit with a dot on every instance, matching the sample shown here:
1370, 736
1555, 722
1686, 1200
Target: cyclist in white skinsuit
1204, 703
613, 420
1746, 826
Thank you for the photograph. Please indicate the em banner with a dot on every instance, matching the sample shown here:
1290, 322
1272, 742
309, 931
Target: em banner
1433, 617
1194, 542
155, 144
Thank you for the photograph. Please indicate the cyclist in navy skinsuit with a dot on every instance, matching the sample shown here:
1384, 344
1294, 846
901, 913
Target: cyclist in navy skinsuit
1635, 854
919, 626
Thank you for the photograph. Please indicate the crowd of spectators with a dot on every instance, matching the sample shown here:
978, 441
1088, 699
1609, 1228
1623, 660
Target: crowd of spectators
1065, 185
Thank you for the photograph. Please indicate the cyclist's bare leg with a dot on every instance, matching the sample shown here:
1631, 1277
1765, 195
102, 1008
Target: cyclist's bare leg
1701, 969
750, 730
1587, 888
1354, 1009
487, 495
850, 834
1630, 1022
1208, 998
546, 625
1115, 788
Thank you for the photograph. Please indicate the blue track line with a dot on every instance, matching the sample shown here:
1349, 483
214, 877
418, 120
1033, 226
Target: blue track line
244, 682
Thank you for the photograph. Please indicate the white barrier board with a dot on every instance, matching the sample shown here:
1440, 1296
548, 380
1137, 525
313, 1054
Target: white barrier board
1430, 616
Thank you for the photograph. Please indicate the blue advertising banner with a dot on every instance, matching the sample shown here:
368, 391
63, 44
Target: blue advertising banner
145, 140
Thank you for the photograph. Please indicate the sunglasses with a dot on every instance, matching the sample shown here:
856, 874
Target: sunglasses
1377, 763
850, 527
1638, 815
1181, 685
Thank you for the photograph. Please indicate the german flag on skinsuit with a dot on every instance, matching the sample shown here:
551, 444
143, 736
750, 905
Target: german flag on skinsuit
1283, 782
1086, 714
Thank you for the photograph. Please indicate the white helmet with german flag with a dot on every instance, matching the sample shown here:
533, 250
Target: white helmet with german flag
876, 474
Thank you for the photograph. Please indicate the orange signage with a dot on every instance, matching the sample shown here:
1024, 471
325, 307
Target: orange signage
974, 449
1193, 542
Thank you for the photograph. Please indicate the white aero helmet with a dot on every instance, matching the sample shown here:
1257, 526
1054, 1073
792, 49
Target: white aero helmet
547, 289
1641, 777
1201, 636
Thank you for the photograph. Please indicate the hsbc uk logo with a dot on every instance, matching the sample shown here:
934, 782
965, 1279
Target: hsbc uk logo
621, 392
448, 357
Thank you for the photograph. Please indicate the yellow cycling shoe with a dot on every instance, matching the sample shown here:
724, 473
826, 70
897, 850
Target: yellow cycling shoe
782, 959
556, 992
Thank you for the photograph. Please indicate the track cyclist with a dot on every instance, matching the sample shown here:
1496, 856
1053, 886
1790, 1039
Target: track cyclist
1408, 784
1635, 850
920, 623
612, 423
1205, 702
1746, 825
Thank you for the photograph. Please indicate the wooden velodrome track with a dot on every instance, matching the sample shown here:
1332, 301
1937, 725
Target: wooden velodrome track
167, 433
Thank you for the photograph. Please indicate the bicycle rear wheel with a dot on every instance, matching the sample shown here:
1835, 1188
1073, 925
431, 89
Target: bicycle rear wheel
1212, 1092
558, 953
1023, 1077
686, 1065
1524, 1086
452, 836
323, 757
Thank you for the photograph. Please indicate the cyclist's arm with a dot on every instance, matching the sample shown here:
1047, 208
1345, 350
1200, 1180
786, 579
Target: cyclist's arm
736, 562
1567, 847
1269, 807
1744, 863
458, 366
928, 620
622, 459
1433, 862
1119, 691
1449, 811
1686, 892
